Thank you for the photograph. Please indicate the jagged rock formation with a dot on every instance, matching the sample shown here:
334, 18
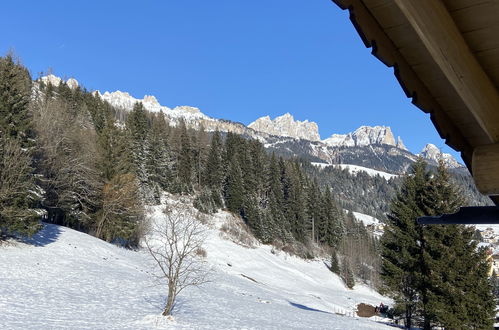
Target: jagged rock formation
56, 81
400, 144
286, 125
364, 136
285, 133
192, 116
433, 153
125, 101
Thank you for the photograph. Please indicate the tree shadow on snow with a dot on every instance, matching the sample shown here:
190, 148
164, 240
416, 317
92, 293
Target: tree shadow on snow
48, 234
300, 306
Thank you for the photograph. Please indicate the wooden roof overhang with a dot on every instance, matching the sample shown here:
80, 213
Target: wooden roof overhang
445, 55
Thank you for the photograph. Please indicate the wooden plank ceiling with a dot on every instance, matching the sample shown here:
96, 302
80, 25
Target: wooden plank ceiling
445, 54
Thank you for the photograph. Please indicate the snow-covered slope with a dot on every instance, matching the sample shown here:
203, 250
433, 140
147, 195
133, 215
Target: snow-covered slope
354, 169
66, 279
286, 125
373, 224
366, 219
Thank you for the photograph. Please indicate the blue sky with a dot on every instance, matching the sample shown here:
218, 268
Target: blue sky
234, 59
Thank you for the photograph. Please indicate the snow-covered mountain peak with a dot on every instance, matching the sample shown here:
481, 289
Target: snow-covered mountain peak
150, 99
126, 101
430, 150
363, 136
188, 109
433, 153
56, 81
286, 125
51, 79
72, 83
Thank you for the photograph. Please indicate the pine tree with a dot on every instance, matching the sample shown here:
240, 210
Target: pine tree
18, 190
185, 163
15, 94
234, 191
335, 265
137, 133
401, 266
313, 212
214, 173
158, 155
455, 284
435, 271
277, 225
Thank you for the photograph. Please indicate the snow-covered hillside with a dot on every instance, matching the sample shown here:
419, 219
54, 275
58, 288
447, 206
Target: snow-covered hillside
354, 169
64, 279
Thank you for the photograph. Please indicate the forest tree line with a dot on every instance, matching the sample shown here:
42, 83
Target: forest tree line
79, 162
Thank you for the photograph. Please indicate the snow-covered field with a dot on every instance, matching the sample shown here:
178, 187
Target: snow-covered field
366, 219
354, 169
64, 279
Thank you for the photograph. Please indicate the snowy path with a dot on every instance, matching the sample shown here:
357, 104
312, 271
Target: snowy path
69, 280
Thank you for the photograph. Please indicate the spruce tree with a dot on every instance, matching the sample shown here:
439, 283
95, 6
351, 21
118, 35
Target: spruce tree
214, 173
274, 191
137, 133
455, 290
234, 191
15, 94
434, 271
18, 190
401, 267
185, 164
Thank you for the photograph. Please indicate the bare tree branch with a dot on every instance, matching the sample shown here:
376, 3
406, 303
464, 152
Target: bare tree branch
173, 242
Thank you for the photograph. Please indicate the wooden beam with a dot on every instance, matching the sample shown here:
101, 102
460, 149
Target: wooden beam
440, 36
485, 168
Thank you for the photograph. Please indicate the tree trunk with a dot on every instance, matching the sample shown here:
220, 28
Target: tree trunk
408, 317
170, 300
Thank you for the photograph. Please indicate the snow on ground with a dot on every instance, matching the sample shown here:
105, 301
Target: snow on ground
377, 226
495, 228
366, 219
354, 169
64, 279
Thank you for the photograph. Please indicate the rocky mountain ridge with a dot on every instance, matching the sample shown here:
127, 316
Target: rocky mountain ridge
364, 136
286, 125
288, 136
432, 152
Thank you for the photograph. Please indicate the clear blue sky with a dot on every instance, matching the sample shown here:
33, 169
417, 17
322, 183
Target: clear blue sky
234, 59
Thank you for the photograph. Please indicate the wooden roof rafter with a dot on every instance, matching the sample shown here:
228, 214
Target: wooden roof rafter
462, 100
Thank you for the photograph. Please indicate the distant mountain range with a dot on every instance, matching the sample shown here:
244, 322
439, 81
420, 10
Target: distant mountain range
371, 147
366, 162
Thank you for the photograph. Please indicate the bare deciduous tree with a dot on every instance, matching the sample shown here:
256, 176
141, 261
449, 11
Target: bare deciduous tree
68, 160
174, 240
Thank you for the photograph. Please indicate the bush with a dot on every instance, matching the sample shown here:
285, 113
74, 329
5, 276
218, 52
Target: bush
200, 252
237, 231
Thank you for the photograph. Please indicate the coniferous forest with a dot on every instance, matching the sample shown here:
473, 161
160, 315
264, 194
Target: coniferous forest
67, 157
92, 167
